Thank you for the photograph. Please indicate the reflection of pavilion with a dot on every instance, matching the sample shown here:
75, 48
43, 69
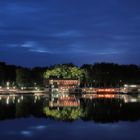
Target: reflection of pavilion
99, 96
69, 101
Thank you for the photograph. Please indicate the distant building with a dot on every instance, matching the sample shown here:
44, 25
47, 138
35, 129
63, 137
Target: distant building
131, 88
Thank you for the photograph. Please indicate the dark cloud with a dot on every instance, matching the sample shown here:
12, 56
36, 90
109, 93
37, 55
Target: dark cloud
45, 32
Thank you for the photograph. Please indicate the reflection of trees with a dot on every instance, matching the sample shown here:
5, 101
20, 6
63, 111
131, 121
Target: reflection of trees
24, 108
106, 110
98, 110
101, 110
21, 108
130, 112
27, 107
65, 113
6, 111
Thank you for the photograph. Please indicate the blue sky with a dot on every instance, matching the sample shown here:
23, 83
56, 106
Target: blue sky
45, 32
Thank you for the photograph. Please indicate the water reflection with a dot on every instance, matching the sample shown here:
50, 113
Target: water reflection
90, 107
15, 106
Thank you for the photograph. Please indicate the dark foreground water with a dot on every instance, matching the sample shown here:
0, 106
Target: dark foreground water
31, 117
31, 128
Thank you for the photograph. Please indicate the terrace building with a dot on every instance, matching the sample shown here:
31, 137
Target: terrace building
63, 85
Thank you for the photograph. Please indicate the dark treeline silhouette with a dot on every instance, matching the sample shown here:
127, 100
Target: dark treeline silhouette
110, 74
98, 74
21, 76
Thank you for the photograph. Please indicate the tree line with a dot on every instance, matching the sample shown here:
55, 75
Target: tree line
21, 76
98, 74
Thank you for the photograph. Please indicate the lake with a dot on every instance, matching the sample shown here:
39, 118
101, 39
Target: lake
39, 117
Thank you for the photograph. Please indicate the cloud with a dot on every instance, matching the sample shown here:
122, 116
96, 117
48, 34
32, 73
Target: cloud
28, 45
69, 33
107, 51
91, 28
40, 50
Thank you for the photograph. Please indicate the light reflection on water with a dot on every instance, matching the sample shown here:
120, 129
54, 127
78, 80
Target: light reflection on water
93, 118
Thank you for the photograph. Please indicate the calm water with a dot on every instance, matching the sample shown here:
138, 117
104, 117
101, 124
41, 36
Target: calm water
32, 117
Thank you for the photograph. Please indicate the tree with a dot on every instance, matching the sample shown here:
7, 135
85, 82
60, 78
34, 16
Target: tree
64, 71
23, 77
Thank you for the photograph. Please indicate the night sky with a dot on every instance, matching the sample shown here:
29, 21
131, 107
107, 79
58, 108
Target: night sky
45, 32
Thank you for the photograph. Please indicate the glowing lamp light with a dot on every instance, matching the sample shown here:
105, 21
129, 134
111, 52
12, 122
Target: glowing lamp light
125, 85
133, 86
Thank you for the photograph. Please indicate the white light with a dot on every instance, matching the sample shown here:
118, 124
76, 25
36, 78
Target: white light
18, 100
133, 100
133, 86
21, 97
125, 85
8, 83
35, 97
34, 100
7, 100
